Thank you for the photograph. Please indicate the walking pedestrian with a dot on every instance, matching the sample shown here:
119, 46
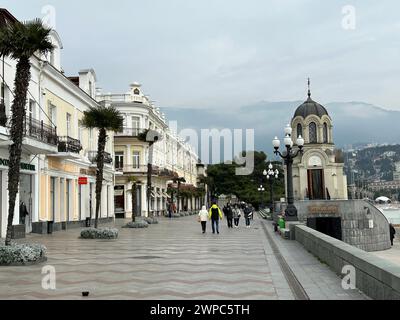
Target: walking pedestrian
215, 215
203, 217
247, 215
229, 215
392, 233
236, 215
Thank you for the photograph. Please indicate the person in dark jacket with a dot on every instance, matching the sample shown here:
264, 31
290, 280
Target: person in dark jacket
392, 233
215, 215
229, 215
247, 215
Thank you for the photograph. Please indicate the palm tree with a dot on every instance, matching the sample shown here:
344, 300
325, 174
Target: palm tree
104, 119
20, 41
133, 193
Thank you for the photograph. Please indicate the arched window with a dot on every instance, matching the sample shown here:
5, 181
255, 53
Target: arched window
313, 132
325, 133
299, 130
136, 91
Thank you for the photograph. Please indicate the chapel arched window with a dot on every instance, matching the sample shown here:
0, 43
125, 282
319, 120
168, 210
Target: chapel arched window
299, 130
313, 132
325, 133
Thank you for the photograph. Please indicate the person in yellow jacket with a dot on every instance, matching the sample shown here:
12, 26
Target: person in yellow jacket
215, 215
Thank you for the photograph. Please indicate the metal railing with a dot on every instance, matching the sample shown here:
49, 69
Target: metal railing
121, 98
142, 169
68, 144
92, 155
40, 131
130, 132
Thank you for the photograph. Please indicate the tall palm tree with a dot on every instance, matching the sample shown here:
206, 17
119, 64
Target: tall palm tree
104, 119
133, 191
20, 41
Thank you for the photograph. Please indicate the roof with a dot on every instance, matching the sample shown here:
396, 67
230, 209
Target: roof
310, 107
6, 17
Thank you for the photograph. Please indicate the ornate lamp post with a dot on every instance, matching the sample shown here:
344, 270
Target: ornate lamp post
271, 177
261, 190
288, 155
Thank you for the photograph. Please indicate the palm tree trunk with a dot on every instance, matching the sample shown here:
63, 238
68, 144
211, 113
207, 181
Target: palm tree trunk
99, 175
22, 78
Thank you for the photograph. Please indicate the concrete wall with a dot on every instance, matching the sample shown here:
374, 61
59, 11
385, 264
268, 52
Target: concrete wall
355, 215
376, 277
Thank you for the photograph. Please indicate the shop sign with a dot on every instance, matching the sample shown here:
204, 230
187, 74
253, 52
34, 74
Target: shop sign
323, 209
24, 166
82, 180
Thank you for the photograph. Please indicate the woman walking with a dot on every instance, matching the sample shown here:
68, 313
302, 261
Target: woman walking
236, 215
203, 217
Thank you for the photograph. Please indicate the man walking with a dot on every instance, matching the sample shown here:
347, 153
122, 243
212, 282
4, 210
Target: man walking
215, 215
229, 215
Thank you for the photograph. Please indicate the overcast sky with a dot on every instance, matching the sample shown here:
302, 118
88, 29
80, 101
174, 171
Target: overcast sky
213, 53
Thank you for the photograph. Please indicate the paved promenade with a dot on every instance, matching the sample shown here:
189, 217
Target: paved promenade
174, 260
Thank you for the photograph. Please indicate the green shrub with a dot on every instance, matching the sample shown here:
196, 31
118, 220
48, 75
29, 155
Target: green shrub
22, 254
101, 233
136, 225
150, 220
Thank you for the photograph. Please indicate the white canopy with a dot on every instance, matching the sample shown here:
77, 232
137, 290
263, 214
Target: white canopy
382, 199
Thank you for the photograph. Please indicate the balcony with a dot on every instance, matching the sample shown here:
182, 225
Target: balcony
92, 155
68, 148
130, 132
40, 138
138, 169
142, 170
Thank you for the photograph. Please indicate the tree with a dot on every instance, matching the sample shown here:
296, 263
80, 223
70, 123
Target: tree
133, 193
104, 119
20, 41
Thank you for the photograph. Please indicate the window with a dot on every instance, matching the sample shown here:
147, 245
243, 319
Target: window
135, 125
119, 160
90, 89
136, 159
80, 130
313, 133
52, 114
299, 130
325, 133
136, 91
68, 118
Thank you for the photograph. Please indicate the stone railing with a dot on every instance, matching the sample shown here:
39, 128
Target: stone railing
374, 276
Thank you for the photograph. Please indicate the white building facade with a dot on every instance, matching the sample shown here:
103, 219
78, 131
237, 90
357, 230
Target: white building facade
57, 150
172, 157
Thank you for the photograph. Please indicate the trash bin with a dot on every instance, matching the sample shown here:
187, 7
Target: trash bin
50, 227
87, 222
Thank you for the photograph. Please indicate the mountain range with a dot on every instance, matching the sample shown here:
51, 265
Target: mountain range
354, 122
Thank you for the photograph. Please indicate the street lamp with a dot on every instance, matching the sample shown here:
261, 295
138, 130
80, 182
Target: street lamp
261, 190
179, 181
288, 156
271, 177
152, 136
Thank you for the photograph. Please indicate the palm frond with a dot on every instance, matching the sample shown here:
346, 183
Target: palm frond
108, 118
24, 39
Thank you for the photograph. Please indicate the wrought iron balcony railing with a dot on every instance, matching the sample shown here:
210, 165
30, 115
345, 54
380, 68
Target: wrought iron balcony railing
68, 144
130, 132
92, 155
40, 131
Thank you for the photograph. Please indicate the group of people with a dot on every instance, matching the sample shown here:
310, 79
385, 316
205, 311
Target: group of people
233, 213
